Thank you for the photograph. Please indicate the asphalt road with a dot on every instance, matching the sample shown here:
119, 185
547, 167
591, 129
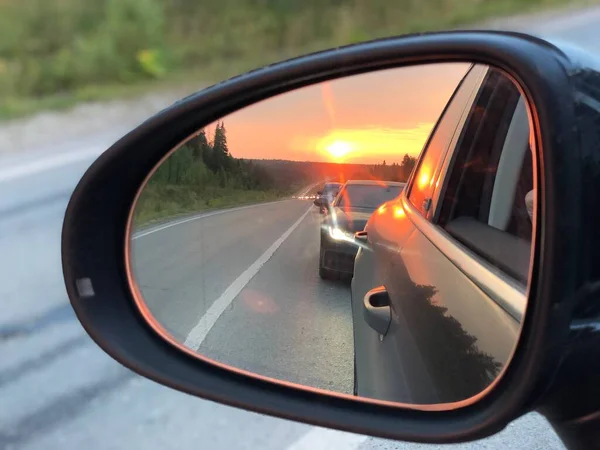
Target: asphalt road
59, 391
284, 322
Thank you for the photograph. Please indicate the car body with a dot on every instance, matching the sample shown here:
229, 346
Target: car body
348, 214
446, 339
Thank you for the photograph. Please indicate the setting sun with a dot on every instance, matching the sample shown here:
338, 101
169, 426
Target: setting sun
371, 144
339, 149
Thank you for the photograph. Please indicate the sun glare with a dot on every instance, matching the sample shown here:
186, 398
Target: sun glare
339, 149
423, 179
368, 144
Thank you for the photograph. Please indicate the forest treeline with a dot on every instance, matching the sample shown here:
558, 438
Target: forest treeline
203, 174
308, 171
201, 163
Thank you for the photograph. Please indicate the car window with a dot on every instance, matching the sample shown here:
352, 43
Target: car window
422, 183
367, 196
331, 188
487, 199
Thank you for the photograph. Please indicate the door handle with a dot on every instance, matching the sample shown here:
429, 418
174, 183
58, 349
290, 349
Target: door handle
361, 236
376, 309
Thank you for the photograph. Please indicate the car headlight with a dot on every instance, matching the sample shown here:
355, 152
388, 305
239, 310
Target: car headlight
337, 234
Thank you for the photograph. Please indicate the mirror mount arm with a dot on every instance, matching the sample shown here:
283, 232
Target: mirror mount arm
580, 433
572, 405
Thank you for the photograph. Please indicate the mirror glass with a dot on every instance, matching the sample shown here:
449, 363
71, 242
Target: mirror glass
407, 282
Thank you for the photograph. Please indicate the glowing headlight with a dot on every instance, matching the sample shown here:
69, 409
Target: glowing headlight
338, 234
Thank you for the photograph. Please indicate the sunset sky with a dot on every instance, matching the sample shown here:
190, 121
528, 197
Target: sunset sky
360, 119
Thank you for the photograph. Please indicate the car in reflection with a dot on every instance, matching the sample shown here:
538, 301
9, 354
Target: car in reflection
347, 214
326, 196
440, 280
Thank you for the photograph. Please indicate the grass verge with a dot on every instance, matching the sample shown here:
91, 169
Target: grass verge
169, 202
114, 49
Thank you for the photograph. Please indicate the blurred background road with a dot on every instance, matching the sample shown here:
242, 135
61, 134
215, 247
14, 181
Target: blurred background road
57, 389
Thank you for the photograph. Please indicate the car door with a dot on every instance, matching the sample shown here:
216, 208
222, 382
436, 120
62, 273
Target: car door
379, 364
457, 285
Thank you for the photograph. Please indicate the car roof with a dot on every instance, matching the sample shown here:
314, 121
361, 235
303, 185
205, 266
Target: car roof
375, 183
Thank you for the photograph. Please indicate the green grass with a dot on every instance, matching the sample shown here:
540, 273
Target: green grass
183, 82
55, 54
157, 205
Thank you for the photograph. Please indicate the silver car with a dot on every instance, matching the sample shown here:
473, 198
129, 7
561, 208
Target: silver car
439, 285
348, 213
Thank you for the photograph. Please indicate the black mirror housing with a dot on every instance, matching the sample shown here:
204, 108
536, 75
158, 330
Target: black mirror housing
562, 316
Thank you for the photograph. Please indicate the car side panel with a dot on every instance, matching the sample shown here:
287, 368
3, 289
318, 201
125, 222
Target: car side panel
392, 368
384, 370
463, 337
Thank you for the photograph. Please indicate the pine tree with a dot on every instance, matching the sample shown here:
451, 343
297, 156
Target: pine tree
220, 151
201, 147
407, 166
224, 146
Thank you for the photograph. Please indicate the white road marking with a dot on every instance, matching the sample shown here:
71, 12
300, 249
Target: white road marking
42, 165
207, 321
199, 216
323, 438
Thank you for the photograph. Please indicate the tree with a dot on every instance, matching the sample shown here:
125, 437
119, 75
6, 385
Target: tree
199, 164
458, 367
220, 150
407, 166
200, 146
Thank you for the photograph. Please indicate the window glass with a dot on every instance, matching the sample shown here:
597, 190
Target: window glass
367, 196
488, 199
422, 184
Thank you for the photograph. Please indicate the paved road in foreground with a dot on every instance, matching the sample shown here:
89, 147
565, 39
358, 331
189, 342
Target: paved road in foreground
59, 391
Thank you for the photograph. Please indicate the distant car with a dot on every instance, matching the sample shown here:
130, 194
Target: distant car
348, 214
327, 195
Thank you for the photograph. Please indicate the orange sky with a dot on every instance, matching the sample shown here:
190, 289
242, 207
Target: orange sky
360, 119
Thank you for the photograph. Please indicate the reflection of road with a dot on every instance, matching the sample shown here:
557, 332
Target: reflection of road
242, 287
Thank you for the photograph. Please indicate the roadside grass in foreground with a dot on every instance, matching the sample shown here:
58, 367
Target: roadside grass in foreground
55, 54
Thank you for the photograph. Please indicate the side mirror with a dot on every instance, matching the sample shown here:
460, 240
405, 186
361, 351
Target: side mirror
185, 261
319, 192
